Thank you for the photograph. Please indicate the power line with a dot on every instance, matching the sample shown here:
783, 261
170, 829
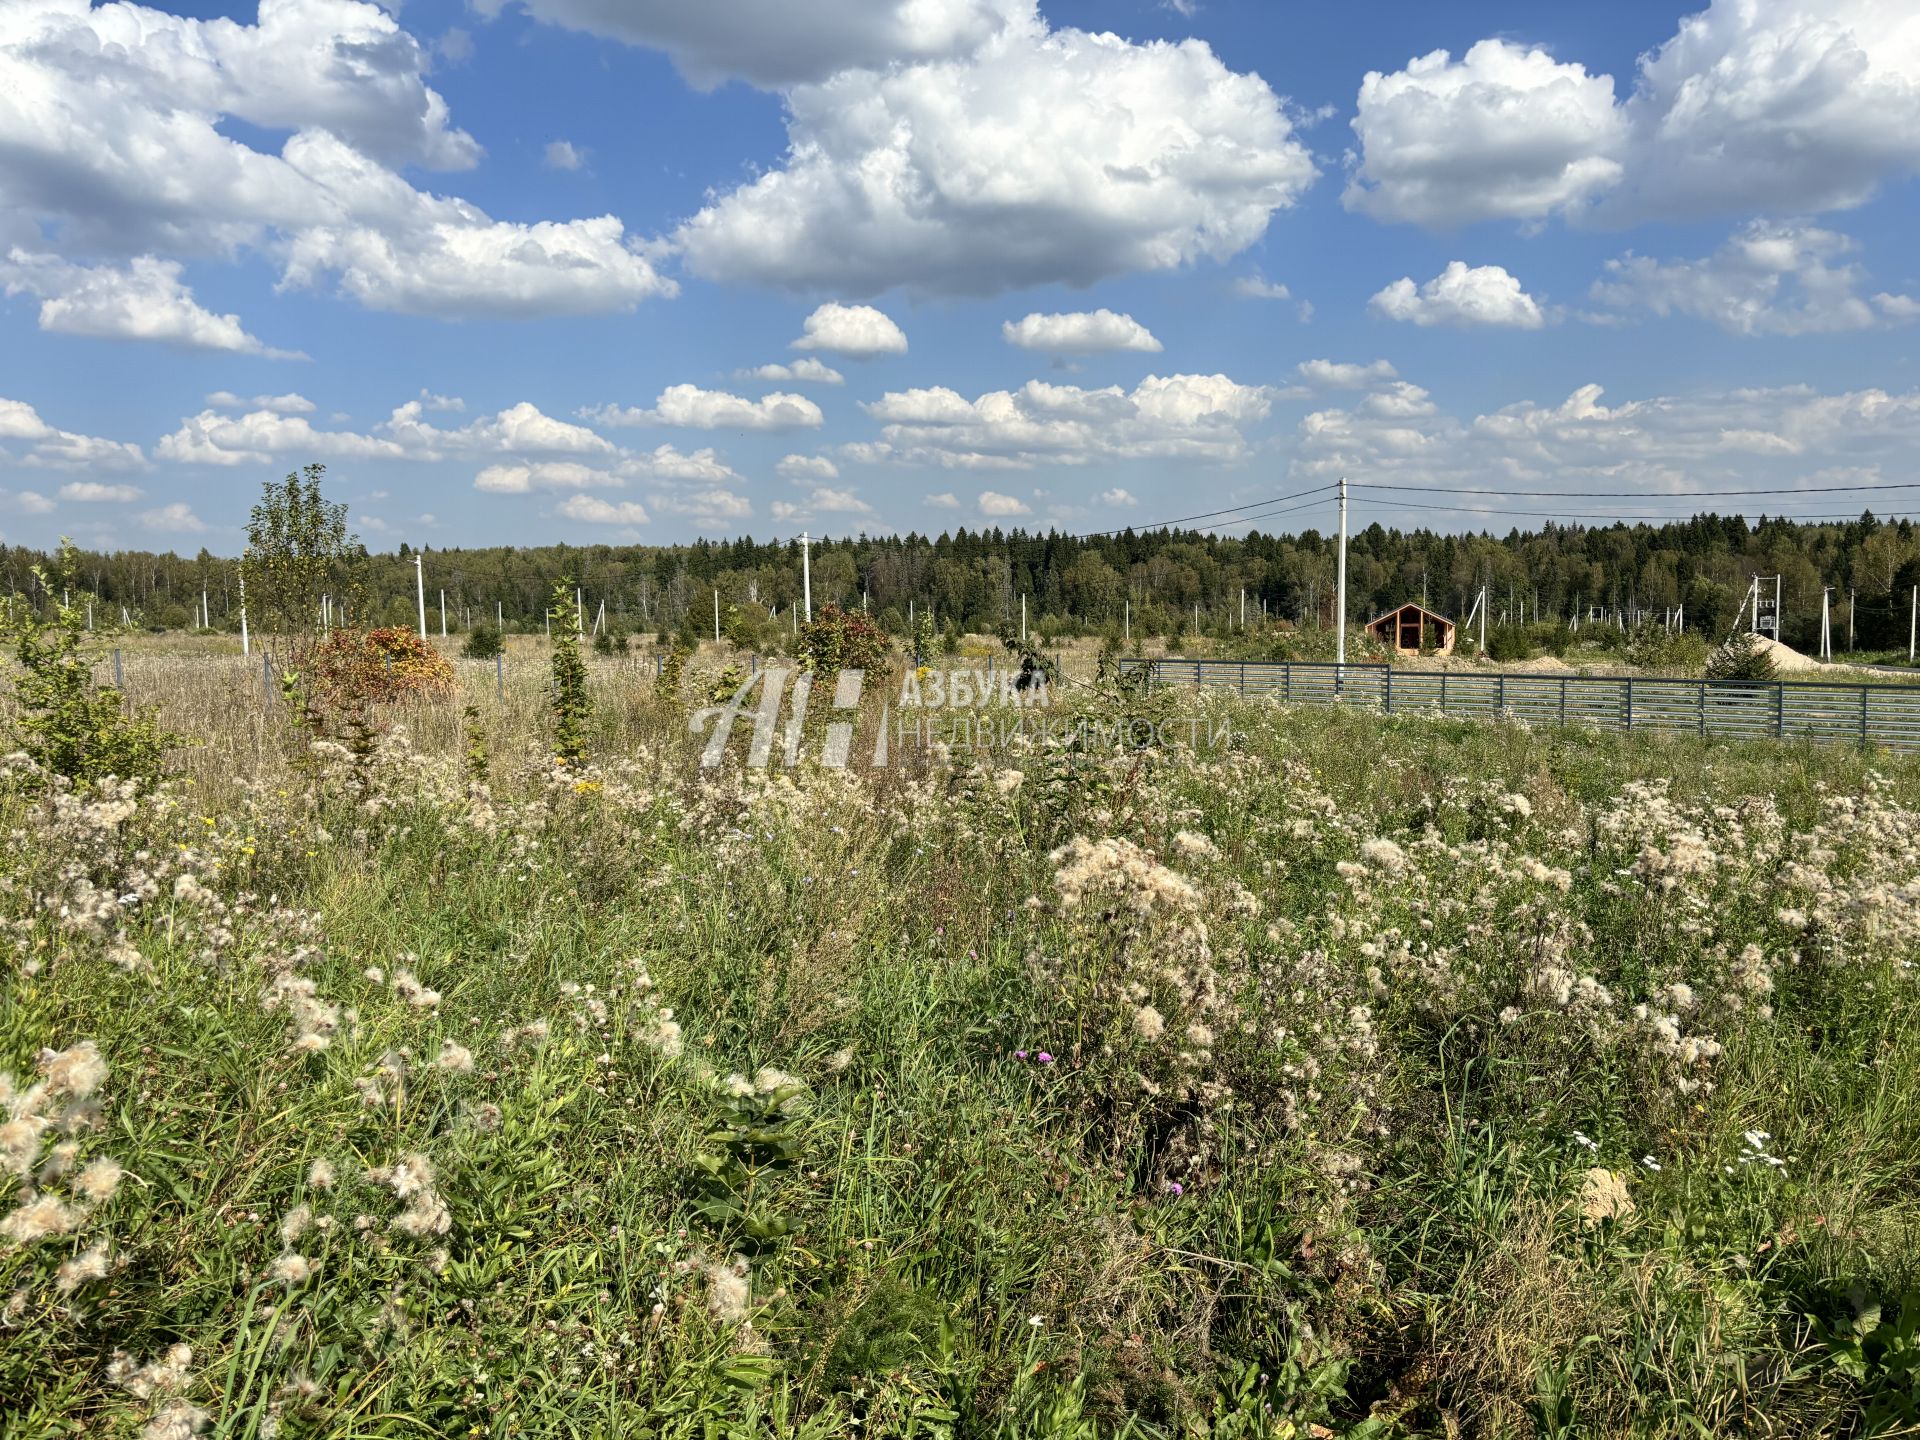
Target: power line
1664, 495
1206, 515
1264, 515
1145, 526
1619, 518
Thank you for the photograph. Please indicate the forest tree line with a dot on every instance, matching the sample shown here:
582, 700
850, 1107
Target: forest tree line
1147, 583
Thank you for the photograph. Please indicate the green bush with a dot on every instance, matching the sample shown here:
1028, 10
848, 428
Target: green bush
1508, 643
70, 726
1741, 657
484, 643
837, 639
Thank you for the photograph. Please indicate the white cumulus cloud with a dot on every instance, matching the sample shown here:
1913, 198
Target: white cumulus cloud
996, 505
595, 511
1632, 452
1184, 417
519, 479
51, 448
1040, 156
92, 492
693, 408
1483, 295
258, 436
1256, 287
1345, 375
773, 43
805, 370
177, 518
808, 467
1768, 279
141, 300
119, 124
290, 404
859, 332
1503, 132
1783, 106
1083, 332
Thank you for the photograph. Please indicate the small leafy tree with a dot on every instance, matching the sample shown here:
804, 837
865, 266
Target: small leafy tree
673, 666
1035, 667
836, 640
298, 547
726, 683
570, 702
68, 724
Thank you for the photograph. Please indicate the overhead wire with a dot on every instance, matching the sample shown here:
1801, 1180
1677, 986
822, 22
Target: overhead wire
1149, 525
1614, 494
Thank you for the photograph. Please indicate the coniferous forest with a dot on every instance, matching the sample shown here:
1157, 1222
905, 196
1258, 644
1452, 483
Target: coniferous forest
1148, 582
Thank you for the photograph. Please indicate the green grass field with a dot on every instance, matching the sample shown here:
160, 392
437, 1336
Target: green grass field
1352, 1077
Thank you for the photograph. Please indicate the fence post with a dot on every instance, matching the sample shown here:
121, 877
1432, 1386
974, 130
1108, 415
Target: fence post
1563, 702
500, 675
1864, 692
1629, 702
119, 678
1779, 710
1389, 688
1286, 681
1703, 708
1500, 697
1243, 679
266, 677
1443, 692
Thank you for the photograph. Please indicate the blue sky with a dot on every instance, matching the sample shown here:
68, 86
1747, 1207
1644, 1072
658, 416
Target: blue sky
1614, 252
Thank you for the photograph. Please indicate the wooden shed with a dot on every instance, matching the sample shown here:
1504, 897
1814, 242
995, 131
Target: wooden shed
1402, 630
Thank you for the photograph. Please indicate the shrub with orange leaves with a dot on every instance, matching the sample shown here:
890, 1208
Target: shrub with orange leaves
352, 668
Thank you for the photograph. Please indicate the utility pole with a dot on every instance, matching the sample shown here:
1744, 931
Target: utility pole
1126, 621
420, 590
1340, 582
1826, 636
1851, 592
806, 574
246, 642
1913, 623
1023, 618
716, 614
443, 614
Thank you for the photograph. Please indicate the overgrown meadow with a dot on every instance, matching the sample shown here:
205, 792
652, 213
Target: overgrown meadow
1351, 1076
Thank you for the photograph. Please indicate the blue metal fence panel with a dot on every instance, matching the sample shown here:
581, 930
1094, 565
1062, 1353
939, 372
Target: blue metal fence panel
1886, 715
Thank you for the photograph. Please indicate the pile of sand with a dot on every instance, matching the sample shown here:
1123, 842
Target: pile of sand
1786, 659
1542, 665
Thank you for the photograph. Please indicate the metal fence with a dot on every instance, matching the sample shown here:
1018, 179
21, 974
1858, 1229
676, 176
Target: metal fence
1886, 715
